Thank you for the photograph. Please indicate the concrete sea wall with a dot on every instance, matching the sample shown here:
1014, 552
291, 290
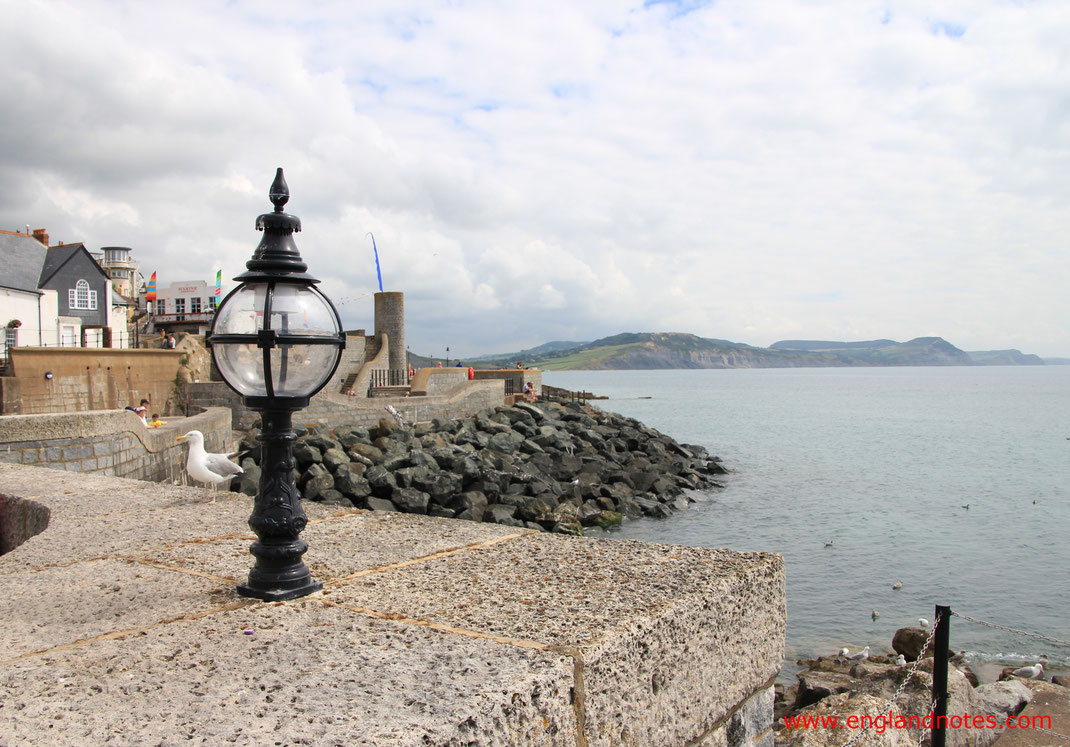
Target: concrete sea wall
109, 442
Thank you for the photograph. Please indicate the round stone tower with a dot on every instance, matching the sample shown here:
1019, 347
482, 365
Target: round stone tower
390, 318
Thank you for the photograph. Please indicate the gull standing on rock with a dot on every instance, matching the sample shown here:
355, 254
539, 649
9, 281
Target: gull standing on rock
210, 469
923, 623
1030, 673
901, 661
861, 655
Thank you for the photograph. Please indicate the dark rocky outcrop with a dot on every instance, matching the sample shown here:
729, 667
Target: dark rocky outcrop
546, 466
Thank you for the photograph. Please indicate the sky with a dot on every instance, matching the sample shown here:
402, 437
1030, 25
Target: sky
536, 171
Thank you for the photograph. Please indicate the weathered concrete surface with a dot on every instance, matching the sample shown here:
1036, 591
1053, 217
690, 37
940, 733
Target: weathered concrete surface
120, 622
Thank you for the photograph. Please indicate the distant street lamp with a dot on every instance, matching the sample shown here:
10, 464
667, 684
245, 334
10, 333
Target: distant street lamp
447, 356
277, 340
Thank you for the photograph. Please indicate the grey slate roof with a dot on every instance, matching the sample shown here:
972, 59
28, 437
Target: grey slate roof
21, 260
58, 256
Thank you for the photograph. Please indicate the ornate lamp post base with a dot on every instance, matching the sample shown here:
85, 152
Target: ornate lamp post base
278, 518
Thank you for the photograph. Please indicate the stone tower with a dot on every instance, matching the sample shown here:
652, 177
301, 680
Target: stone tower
390, 318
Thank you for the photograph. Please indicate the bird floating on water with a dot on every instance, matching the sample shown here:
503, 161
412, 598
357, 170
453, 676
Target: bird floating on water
1030, 673
967, 507
861, 655
897, 585
923, 623
210, 469
875, 614
828, 544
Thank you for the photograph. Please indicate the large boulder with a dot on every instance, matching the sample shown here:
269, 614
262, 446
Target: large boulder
909, 642
1006, 698
334, 458
471, 505
351, 485
317, 479
843, 707
410, 500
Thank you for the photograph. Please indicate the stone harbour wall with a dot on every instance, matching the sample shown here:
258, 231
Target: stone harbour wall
64, 380
337, 410
109, 442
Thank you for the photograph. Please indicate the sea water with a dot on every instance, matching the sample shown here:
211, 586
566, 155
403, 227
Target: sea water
880, 462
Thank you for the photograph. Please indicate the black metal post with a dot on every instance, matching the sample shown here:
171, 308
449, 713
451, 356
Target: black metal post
941, 643
279, 572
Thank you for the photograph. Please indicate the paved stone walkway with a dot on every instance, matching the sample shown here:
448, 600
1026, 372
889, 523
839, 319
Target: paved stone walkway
121, 625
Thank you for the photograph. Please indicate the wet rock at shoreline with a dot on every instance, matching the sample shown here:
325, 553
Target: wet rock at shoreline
561, 468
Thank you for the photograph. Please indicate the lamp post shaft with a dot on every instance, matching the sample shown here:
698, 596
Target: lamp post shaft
279, 572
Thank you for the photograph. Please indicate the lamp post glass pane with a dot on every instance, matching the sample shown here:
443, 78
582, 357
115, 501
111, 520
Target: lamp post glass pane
300, 369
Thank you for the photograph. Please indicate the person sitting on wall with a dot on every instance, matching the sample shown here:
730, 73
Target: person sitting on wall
529, 392
520, 365
169, 343
140, 410
459, 364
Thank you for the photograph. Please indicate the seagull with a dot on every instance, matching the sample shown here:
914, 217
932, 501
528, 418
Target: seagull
967, 507
861, 655
845, 652
901, 661
897, 585
208, 468
1030, 673
923, 623
828, 544
874, 614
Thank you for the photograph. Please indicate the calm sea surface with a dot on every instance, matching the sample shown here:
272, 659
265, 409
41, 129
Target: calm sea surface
879, 460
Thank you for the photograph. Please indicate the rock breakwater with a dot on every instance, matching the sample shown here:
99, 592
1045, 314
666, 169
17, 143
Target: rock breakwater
547, 466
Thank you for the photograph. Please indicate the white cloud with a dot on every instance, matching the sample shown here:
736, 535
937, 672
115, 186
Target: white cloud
749, 171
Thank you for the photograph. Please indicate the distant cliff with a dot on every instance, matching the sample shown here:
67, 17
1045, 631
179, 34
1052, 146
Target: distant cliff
656, 350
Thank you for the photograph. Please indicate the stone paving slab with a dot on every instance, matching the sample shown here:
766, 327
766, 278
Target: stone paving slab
93, 599
121, 624
308, 674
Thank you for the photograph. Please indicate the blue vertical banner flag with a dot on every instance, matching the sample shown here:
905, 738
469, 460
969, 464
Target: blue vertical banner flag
378, 272
218, 285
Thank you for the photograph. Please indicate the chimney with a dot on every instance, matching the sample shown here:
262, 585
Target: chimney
41, 235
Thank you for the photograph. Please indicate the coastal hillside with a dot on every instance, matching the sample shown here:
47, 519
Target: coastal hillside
672, 350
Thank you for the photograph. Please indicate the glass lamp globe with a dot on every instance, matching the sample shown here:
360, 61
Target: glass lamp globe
273, 338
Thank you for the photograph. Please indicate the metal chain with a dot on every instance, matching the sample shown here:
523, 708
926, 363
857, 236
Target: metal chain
932, 631
1012, 630
1049, 731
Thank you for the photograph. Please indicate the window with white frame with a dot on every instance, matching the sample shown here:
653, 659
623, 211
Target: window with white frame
195, 305
180, 306
81, 297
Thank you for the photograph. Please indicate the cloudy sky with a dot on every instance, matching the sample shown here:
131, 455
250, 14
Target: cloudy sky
535, 171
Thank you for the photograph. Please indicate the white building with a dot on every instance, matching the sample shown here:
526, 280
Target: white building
185, 306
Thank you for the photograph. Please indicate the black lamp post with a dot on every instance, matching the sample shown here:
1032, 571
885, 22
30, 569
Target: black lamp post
277, 340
